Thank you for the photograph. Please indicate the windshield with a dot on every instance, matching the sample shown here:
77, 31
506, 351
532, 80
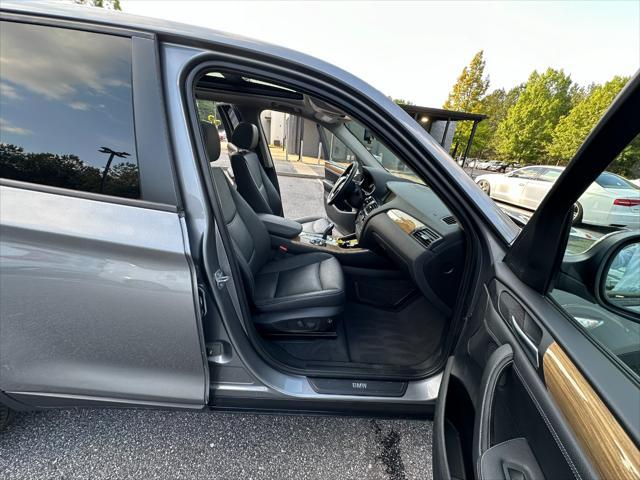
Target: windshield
385, 157
609, 180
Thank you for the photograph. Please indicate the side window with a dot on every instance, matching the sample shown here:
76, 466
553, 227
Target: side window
379, 151
66, 111
608, 209
526, 173
550, 175
209, 111
338, 152
293, 138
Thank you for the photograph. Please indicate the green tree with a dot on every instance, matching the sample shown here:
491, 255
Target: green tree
527, 130
572, 129
402, 101
109, 4
467, 94
495, 105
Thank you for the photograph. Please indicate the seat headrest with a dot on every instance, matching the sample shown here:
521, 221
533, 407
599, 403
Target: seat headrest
211, 140
245, 136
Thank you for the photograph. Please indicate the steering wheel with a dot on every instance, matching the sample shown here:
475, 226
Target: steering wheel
341, 187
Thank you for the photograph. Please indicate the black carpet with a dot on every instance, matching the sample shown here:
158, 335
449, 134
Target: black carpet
403, 338
371, 335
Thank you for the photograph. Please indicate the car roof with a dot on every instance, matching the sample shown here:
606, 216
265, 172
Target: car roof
175, 32
200, 37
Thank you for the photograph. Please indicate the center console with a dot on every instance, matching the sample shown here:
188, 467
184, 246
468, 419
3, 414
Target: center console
348, 241
368, 206
287, 237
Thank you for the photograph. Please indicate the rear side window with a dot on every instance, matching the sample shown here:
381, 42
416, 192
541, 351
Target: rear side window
609, 180
66, 112
526, 173
550, 175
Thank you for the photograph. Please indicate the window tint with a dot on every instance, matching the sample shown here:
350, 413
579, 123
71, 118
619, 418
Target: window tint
66, 113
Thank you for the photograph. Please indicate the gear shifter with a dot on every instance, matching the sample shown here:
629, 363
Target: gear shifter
328, 230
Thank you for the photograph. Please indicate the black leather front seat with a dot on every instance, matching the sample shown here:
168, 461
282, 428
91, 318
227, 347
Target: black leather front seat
290, 293
255, 185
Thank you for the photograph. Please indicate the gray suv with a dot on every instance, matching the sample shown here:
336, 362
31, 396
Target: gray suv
144, 263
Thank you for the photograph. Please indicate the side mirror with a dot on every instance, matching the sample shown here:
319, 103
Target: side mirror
367, 137
620, 280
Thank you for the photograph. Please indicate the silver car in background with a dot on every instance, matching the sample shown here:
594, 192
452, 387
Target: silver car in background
610, 201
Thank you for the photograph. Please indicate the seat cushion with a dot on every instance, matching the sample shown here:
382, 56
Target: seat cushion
313, 224
302, 281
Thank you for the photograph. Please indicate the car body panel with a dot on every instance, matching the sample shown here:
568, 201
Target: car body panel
96, 299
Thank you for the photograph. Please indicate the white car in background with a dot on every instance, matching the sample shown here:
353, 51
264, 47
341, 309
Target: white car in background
610, 201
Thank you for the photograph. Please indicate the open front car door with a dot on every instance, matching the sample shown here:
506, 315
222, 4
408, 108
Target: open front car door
540, 385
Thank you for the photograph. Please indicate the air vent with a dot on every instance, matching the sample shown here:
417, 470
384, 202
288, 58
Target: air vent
426, 236
449, 220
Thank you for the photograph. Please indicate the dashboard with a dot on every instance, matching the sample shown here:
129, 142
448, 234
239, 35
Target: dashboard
410, 225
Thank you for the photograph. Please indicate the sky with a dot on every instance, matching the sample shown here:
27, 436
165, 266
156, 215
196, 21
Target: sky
416, 50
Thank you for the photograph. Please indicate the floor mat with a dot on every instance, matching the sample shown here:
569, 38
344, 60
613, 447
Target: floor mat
404, 338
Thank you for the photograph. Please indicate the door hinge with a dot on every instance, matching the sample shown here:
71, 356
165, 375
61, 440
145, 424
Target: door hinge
221, 278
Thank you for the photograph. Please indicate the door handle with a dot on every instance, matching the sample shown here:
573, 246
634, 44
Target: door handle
521, 184
533, 349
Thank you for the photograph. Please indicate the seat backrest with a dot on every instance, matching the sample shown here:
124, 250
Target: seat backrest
250, 238
252, 181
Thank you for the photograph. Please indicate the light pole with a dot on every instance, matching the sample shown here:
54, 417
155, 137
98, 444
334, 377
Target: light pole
112, 153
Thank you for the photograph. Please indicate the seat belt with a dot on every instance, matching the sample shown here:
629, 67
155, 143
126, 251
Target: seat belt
223, 261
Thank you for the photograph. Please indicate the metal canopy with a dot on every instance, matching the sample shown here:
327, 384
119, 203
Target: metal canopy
440, 114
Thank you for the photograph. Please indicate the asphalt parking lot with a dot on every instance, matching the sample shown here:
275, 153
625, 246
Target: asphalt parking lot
147, 444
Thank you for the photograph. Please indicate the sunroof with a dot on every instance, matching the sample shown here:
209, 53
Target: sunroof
266, 84
229, 81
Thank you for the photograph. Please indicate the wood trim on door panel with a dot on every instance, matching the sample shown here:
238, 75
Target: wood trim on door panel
608, 446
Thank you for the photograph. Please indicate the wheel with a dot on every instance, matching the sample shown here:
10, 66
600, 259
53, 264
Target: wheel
576, 214
6, 415
484, 185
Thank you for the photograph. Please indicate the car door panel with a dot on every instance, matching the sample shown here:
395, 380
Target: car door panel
110, 307
533, 193
510, 403
607, 444
510, 189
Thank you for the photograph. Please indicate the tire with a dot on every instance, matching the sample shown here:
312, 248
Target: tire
6, 416
576, 213
485, 187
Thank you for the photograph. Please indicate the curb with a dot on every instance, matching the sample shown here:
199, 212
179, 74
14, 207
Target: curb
300, 175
